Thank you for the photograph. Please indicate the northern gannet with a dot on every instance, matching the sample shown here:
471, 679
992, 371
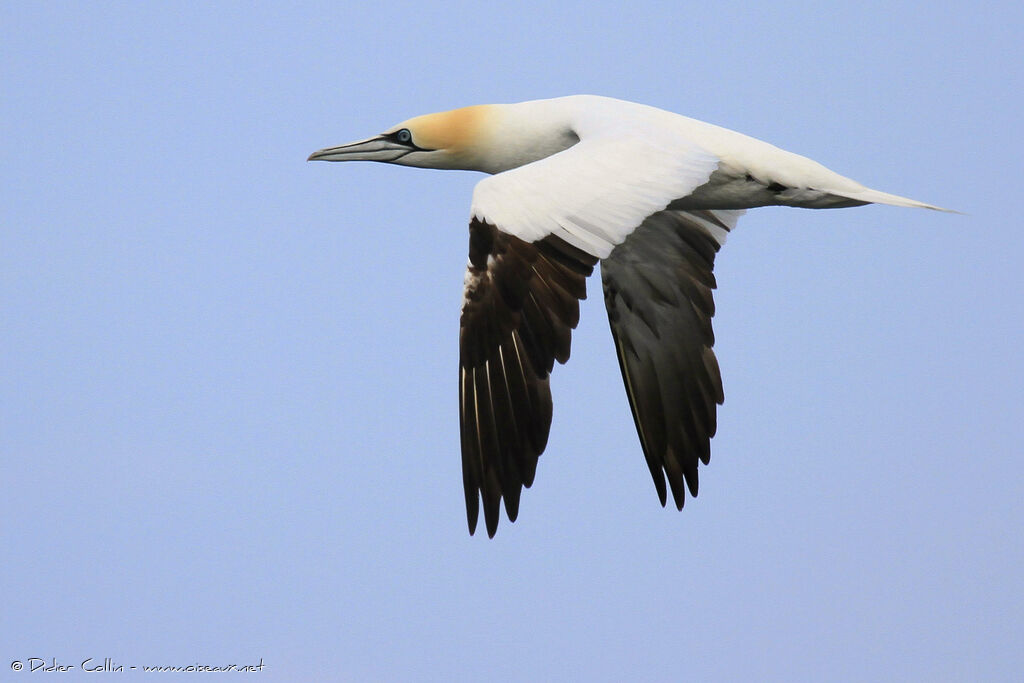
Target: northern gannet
575, 180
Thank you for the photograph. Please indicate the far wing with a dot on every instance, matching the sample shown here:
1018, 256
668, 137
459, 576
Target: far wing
658, 290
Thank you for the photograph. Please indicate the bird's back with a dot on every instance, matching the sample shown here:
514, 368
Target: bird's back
751, 172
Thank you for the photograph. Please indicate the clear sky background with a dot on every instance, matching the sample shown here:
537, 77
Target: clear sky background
229, 377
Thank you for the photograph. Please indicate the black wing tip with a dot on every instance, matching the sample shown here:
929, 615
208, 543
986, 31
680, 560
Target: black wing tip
658, 475
492, 526
491, 520
472, 513
512, 507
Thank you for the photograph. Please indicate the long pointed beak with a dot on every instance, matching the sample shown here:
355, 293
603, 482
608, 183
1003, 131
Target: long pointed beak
374, 149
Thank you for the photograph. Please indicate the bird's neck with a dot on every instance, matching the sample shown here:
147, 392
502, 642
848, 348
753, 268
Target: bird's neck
519, 134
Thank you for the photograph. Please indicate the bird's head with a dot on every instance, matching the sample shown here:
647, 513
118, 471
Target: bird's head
456, 139
489, 137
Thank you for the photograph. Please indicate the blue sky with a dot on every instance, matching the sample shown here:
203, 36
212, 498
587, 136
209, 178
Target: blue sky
228, 388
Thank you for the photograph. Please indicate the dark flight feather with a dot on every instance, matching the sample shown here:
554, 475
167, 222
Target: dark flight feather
658, 291
521, 304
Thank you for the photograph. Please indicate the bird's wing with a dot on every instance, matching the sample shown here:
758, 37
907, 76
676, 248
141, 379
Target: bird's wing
521, 303
658, 290
535, 235
594, 194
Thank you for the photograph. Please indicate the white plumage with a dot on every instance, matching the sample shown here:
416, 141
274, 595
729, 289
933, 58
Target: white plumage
595, 193
577, 180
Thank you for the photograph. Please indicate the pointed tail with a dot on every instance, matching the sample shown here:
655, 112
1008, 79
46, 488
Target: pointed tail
876, 197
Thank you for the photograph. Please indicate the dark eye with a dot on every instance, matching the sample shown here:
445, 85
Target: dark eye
403, 136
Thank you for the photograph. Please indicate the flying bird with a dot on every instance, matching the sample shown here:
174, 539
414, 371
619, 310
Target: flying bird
578, 180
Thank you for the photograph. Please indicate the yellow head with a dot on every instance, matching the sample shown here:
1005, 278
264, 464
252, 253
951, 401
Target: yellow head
490, 137
455, 139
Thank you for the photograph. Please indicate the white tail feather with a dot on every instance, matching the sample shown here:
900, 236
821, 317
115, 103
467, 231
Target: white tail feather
876, 197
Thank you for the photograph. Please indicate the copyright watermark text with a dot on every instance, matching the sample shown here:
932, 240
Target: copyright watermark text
108, 665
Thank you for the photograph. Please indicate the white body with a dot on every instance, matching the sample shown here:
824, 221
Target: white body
589, 169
